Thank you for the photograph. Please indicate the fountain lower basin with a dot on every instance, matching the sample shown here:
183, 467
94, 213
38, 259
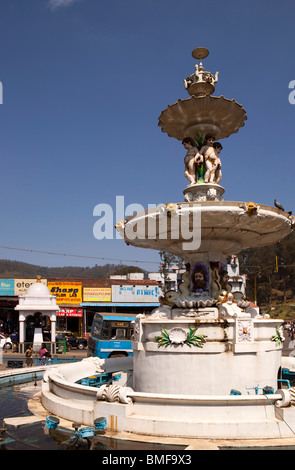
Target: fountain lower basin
162, 414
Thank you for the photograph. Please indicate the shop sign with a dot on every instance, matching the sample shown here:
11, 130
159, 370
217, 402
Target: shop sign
70, 312
21, 285
6, 286
97, 294
66, 292
127, 293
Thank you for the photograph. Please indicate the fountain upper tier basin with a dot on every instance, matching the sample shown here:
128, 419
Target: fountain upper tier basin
202, 115
195, 229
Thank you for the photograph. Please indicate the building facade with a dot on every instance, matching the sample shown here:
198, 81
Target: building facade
79, 299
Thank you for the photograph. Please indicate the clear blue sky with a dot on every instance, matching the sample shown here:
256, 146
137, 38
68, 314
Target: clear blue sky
84, 82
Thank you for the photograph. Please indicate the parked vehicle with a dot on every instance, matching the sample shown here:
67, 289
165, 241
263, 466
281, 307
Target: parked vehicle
71, 340
5, 342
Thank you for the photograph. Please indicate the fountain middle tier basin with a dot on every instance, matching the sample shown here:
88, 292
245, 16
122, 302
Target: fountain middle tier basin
214, 228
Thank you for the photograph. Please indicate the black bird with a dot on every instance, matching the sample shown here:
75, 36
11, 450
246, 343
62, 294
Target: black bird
278, 205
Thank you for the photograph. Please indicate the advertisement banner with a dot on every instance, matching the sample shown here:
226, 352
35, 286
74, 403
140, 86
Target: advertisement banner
21, 285
6, 286
66, 292
70, 312
127, 293
97, 294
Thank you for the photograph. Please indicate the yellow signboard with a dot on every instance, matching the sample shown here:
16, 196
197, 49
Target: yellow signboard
97, 294
66, 292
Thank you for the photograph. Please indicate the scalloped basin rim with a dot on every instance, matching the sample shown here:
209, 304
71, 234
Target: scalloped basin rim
202, 114
221, 222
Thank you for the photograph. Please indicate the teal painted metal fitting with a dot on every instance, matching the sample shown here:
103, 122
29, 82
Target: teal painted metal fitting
100, 423
86, 432
51, 422
235, 392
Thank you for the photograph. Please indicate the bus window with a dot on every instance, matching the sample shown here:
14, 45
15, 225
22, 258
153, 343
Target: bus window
105, 334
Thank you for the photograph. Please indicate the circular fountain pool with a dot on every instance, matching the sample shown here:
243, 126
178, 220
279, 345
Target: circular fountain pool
16, 400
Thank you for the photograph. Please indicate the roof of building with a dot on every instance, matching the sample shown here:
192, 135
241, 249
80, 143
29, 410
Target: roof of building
106, 282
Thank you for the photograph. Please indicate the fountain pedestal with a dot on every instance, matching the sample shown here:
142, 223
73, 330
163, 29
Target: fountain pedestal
237, 353
201, 192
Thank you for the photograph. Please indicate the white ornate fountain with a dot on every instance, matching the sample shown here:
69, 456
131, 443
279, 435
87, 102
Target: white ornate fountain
204, 342
203, 339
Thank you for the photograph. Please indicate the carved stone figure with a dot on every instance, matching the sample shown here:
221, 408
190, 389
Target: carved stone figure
215, 279
200, 278
218, 175
185, 285
203, 76
190, 159
210, 158
223, 279
228, 307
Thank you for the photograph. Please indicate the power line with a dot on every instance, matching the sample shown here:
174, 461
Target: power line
78, 256
106, 259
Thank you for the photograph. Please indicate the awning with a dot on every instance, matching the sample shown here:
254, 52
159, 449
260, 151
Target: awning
111, 304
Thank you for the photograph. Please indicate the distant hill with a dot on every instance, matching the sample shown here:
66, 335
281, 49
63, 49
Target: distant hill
16, 269
273, 267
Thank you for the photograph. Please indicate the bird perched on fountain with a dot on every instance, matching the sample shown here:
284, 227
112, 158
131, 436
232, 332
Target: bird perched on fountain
279, 206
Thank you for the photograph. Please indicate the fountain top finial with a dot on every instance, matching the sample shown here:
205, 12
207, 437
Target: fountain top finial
200, 83
200, 53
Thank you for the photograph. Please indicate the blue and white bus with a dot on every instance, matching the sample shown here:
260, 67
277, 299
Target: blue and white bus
111, 336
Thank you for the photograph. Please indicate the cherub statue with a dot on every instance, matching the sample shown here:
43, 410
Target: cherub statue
190, 159
218, 175
208, 155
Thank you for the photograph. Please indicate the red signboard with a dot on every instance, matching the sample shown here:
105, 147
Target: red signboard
70, 312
